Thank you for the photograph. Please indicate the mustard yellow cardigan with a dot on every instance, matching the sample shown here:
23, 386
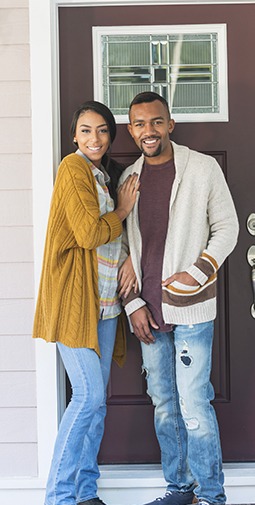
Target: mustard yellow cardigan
67, 308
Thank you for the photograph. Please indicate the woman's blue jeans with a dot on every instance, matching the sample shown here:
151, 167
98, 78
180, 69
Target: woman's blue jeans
178, 367
74, 470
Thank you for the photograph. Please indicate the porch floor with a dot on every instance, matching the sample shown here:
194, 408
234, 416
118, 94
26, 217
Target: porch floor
139, 484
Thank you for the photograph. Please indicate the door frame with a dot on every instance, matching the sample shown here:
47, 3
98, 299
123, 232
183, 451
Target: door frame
44, 37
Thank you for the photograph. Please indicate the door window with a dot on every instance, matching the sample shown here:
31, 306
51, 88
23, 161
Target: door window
184, 64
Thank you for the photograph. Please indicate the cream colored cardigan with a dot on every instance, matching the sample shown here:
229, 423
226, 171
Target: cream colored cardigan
202, 232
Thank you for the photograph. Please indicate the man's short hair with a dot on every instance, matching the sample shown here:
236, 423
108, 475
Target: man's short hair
147, 97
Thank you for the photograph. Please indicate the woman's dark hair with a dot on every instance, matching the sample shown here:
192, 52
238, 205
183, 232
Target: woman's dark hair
113, 168
99, 108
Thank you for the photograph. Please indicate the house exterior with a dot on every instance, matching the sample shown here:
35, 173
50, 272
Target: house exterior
17, 369
32, 380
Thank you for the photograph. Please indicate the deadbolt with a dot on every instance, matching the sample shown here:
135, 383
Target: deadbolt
251, 224
251, 256
251, 261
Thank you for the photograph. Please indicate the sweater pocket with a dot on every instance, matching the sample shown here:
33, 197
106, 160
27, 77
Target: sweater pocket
182, 295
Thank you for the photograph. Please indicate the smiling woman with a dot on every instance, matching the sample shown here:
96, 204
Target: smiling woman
92, 136
78, 305
93, 129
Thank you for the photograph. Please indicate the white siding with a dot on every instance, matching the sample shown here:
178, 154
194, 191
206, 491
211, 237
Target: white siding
15, 171
14, 3
18, 431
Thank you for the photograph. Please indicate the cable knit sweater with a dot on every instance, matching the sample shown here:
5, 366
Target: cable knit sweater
67, 308
202, 232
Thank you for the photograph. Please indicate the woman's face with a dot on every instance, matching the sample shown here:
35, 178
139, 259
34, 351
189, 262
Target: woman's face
92, 136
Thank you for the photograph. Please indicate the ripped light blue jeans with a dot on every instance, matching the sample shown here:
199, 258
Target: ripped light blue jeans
178, 367
74, 470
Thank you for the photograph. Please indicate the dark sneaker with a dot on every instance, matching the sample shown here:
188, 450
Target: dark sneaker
174, 498
93, 501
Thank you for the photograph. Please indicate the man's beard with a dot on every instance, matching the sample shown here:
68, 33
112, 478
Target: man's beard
153, 154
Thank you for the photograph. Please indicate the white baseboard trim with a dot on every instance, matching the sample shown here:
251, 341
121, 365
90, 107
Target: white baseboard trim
137, 484
132, 485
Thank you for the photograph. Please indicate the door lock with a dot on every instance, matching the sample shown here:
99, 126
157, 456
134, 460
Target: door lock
251, 261
251, 224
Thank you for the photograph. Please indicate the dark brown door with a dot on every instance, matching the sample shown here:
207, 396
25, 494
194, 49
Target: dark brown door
129, 435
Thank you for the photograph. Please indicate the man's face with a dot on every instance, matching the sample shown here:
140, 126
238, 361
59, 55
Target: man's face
150, 126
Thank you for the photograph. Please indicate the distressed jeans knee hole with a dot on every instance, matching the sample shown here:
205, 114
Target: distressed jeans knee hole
192, 424
185, 357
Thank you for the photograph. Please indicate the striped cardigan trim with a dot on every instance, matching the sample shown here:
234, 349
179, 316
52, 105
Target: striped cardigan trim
210, 260
177, 295
189, 290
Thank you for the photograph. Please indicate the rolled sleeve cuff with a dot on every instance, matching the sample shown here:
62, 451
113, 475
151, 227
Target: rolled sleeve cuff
197, 274
114, 223
134, 305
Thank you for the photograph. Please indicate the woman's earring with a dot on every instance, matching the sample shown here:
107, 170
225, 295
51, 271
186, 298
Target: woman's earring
75, 140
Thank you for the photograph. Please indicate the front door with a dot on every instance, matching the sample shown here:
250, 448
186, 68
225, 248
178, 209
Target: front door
129, 434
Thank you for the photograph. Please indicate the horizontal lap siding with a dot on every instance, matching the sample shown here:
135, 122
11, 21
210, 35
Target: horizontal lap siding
18, 437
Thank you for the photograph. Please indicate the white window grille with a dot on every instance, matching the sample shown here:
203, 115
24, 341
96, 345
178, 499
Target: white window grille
185, 64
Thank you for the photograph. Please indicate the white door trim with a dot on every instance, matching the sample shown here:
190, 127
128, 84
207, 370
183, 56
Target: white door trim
103, 3
45, 158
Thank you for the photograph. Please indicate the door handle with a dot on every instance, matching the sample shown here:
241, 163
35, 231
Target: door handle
251, 261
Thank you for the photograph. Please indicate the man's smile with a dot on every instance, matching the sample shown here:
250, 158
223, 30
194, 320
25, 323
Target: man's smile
150, 141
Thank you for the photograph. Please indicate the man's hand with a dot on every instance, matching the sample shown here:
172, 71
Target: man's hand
141, 321
182, 277
127, 278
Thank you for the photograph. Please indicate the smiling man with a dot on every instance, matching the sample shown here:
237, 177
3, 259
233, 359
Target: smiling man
180, 231
150, 125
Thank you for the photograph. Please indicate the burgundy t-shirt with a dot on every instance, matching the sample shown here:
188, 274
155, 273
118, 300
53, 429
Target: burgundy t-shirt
155, 191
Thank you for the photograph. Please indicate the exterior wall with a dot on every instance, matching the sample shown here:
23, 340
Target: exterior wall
18, 445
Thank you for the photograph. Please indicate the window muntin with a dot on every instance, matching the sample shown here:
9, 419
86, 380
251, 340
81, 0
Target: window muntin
185, 64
